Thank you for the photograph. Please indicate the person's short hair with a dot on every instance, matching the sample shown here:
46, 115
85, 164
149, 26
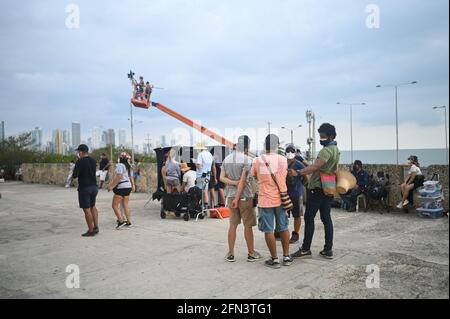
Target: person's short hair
271, 143
147, 82
243, 143
328, 129
358, 162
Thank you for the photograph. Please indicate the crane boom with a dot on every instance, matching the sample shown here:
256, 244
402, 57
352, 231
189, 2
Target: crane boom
193, 124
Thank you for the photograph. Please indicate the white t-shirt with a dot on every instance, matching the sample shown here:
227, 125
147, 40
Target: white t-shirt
125, 180
205, 159
189, 178
414, 169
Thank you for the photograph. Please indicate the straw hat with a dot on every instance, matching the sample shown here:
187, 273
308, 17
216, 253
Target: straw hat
201, 146
345, 182
184, 167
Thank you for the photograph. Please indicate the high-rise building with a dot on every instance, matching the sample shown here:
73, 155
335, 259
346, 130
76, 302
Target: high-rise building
36, 139
66, 137
122, 137
96, 137
76, 134
2, 131
57, 140
163, 141
111, 137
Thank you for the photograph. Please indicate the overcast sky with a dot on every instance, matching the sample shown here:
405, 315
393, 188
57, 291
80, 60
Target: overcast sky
229, 64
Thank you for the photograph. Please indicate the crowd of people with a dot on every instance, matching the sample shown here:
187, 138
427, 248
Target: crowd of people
282, 182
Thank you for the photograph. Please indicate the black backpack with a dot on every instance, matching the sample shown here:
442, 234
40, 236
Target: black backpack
378, 187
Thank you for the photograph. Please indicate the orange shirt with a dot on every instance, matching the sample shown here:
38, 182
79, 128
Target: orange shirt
269, 196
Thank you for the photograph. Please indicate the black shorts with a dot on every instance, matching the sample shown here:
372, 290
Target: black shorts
219, 185
296, 212
122, 191
418, 181
87, 196
212, 183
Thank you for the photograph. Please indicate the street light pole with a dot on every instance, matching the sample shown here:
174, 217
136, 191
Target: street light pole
446, 128
351, 125
396, 86
291, 131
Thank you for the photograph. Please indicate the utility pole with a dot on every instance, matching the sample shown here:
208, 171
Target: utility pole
268, 125
148, 139
311, 141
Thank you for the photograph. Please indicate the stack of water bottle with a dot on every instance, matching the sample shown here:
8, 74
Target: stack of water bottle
431, 199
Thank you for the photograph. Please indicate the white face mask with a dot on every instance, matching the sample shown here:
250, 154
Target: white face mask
290, 156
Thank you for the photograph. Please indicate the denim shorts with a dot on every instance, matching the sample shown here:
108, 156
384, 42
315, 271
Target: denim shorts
272, 219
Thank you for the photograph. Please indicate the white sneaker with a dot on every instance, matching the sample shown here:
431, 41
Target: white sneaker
254, 257
405, 203
400, 206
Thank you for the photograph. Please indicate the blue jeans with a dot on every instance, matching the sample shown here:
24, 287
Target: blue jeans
317, 200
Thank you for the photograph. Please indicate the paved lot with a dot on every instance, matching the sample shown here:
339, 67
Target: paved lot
40, 236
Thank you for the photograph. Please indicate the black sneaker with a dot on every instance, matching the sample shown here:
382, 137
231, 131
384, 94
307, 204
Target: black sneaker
351, 209
127, 224
328, 254
88, 234
230, 258
120, 224
272, 263
302, 254
287, 260
294, 238
96, 230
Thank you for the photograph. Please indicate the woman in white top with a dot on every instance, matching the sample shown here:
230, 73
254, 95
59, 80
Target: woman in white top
415, 180
122, 185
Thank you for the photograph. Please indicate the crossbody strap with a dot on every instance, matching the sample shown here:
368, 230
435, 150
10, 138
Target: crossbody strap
271, 173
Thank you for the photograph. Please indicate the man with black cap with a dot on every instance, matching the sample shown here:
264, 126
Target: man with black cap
87, 188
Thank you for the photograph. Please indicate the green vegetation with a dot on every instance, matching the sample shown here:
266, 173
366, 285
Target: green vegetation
15, 150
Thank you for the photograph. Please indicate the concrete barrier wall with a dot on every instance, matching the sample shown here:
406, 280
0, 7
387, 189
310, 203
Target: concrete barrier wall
56, 174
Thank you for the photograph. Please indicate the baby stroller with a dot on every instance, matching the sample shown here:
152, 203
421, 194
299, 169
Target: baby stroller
188, 205
377, 190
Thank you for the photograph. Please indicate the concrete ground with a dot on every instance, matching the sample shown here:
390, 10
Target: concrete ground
40, 236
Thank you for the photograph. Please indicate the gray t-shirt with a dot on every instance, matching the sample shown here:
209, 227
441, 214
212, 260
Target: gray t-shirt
125, 180
233, 166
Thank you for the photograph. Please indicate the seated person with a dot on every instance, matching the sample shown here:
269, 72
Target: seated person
189, 178
414, 180
362, 179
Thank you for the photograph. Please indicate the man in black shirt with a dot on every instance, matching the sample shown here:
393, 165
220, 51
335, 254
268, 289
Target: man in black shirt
87, 188
104, 167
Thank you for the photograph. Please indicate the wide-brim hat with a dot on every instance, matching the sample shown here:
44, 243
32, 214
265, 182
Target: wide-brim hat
201, 146
345, 181
184, 167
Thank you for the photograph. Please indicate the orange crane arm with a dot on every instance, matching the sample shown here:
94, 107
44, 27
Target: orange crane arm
198, 127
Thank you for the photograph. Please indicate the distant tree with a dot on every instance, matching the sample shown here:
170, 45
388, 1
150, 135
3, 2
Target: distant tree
13, 152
